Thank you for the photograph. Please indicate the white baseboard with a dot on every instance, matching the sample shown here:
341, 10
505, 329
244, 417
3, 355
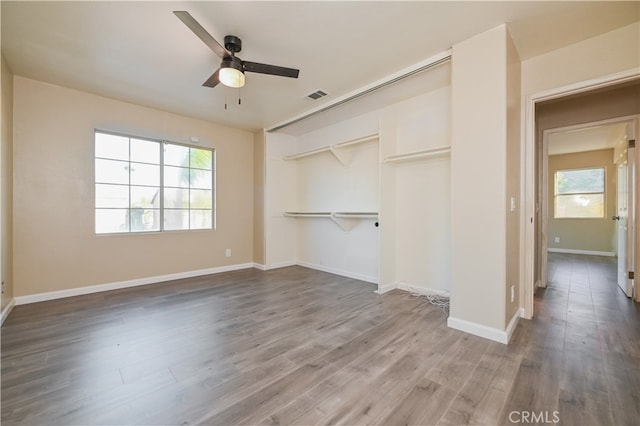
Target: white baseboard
495, 334
260, 266
277, 265
478, 329
7, 310
382, 289
511, 327
41, 297
342, 273
411, 289
422, 290
588, 252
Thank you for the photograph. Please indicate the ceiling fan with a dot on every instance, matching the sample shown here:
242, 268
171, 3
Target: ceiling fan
232, 69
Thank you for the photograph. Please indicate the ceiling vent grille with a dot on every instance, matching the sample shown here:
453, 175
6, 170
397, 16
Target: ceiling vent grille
316, 95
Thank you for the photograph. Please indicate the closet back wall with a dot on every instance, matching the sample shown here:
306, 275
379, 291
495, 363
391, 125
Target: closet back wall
411, 248
324, 184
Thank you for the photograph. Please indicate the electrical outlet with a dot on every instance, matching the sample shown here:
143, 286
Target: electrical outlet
228, 252
513, 293
2, 287
556, 240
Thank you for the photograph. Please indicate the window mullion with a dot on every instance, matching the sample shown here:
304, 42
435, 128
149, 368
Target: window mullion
189, 177
162, 186
130, 170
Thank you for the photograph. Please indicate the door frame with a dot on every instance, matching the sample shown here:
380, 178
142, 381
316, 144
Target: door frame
631, 120
528, 159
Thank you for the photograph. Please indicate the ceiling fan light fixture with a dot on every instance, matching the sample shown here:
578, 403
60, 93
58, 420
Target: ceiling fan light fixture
231, 73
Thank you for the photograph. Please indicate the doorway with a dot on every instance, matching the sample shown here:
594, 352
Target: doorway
608, 98
587, 194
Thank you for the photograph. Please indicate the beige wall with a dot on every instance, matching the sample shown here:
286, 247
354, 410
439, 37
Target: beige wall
584, 234
513, 184
6, 189
55, 247
258, 197
609, 53
478, 179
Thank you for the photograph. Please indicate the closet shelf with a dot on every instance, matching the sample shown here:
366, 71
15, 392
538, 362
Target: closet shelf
345, 220
419, 155
334, 149
307, 214
356, 215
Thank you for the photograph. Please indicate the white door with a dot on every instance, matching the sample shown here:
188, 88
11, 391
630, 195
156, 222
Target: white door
625, 218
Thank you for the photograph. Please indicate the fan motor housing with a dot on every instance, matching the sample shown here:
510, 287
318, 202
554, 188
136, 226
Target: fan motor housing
232, 43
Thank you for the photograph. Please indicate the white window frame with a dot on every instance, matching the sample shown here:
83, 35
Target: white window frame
161, 186
603, 192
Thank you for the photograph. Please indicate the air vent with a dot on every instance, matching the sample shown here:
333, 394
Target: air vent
316, 95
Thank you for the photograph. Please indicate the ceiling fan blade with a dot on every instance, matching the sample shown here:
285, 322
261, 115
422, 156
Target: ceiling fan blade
270, 69
202, 34
213, 80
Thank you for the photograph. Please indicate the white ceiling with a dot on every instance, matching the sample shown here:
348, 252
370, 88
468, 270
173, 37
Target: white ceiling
140, 52
587, 139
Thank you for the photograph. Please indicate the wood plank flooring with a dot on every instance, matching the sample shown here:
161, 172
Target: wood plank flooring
301, 347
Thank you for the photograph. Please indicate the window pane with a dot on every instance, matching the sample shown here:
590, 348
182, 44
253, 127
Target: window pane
145, 174
111, 171
145, 151
177, 177
176, 219
200, 179
111, 146
145, 196
201, 158
111, 221
200, 199
145, 220
176, 155
131, 189
579, 181
579, 206
112, 195
201, 219
176, 198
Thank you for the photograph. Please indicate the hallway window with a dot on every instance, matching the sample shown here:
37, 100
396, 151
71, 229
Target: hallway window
579, 193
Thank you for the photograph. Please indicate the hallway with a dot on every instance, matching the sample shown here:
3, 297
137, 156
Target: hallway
585, 344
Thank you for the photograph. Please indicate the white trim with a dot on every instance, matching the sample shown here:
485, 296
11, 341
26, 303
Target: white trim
7, 310
422, 290
589, 252
260, 266
511, 327
382, 289
277, 265
340, 272
480, 330
529, 170
41, 297
586, 85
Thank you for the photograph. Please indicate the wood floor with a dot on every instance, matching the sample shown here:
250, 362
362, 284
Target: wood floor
297, 346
